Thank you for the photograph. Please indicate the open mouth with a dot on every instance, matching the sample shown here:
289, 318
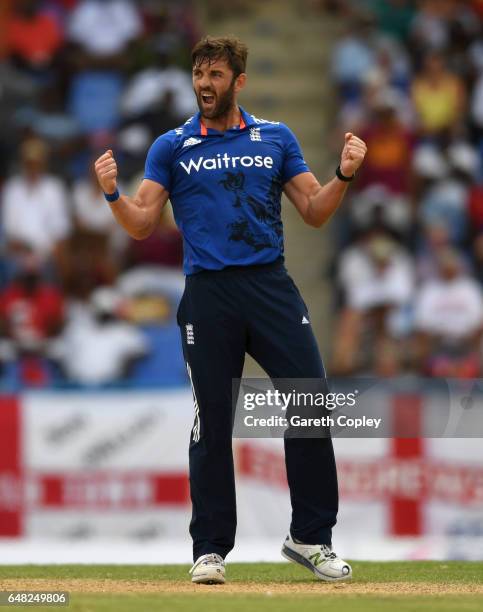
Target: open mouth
208, 98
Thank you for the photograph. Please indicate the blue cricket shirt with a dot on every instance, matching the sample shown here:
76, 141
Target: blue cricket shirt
226, 188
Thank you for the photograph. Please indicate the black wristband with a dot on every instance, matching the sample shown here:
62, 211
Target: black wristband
342, 177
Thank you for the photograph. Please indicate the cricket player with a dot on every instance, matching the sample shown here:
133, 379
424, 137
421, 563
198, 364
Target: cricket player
224, 172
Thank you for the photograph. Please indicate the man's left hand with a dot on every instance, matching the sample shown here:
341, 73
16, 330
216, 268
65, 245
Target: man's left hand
353, 154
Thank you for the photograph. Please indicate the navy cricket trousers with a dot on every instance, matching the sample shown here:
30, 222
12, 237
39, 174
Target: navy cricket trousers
223, 315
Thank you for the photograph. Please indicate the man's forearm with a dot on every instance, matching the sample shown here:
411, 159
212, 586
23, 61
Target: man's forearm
324, 202
138, 215
132, 216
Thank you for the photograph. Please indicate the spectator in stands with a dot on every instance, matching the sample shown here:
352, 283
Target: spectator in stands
449, 320
356, 115
376, 279
31, 315
98, 58
64, 66
352, 57
389, 147
476, 104
393, 60
429, 28
104, 28
60, 9
159, 90
376, 206
464, 28
446, 25
97, 243
475, 50
134, 139
429, 167
475, 208
171, 28
33, 37
478, 256
393, 17
48, 119
477, 6
35, 211
163, 248
99, 347
90, 211
446, 201
435, 238
439, 98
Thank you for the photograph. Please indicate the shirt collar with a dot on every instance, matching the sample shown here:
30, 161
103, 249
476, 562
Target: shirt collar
196, 127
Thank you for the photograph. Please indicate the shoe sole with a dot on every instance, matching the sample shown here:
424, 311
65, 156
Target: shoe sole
294, 557
209, 579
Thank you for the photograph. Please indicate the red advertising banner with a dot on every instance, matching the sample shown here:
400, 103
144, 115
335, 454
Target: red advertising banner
11, 481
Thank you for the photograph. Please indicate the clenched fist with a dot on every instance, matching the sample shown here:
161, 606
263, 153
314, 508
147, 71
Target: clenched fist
353, 154
106, 171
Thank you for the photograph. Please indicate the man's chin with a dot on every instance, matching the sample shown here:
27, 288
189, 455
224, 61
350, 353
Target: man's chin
209, 113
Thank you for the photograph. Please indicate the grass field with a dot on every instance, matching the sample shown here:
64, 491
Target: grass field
394, 587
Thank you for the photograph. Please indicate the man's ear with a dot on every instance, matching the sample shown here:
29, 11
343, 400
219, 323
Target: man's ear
240, 82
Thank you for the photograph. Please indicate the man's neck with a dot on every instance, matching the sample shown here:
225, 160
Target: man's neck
227, 121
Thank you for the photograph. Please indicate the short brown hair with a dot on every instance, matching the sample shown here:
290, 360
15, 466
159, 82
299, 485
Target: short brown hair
210, 49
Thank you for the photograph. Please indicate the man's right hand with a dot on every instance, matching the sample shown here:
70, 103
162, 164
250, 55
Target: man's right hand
106, 171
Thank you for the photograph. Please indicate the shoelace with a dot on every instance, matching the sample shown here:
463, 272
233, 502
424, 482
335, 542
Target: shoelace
329, 554
326, 550
205, 559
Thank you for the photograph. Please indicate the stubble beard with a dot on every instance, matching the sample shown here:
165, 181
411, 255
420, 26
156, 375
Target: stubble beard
224, 105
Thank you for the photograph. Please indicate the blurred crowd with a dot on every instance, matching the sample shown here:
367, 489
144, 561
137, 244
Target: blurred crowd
409, 258
78, 77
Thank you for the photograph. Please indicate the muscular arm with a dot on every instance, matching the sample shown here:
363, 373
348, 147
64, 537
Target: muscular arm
139, 215
317, 203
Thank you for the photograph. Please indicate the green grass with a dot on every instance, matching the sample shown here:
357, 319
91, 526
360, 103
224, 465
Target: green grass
264, 603
436, 572
207, 601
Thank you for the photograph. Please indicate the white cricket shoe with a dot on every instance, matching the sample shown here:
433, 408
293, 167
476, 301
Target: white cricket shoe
208, 569
318, 558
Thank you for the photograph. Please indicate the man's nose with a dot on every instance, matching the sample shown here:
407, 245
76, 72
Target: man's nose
204, 82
